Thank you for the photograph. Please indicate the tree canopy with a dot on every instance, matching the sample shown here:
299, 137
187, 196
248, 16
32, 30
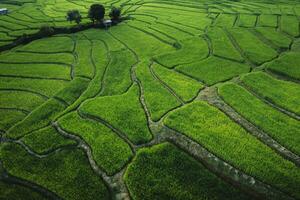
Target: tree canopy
74, 15
115, 13
96, 12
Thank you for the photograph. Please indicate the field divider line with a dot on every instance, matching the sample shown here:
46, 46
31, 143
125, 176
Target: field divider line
33, 77
239, 49
10, 179
115, 183
281, 76
136, 80
26, 112
97, 119
224, 170
273, 105
25, 90
170, 90
211, 96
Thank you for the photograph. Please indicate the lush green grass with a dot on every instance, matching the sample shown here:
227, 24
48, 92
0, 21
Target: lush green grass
256, 50
284, 129
184, 86
122, 111
50, 45
221, 44
158, 99
17, 192
35, 70
214, 70
37, 119
247, 20
145, 46
287, 64
165, 172
45, 140
216, 132
109, 151
117, 78
267, 20
73, 90
19, 99
84, 66
225, 20
290, 25
283, 93
275, 37
45, 87
192, 50
25, 57
66, 173
9, 117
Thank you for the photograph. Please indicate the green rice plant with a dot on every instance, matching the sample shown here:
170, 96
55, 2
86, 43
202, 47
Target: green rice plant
117, 78
255, 50
213, 70
111, 42
18, 192
50, 45
84, 66
45, 87
282, 128
20, 99
52, 71
290, 25
165, 172
247, 20
124, 112
148, 29
9, 117
267, 20
66, 173
157, 98
275, 37
282, 93
186, 87
136, 40
226, 20
45, 140
220, 135
99, 55
73, 90
296, 46
287, 65
221, 44
37, 119
109, 151
174, 32
192, 50
24, 57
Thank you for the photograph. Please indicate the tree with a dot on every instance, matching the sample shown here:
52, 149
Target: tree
115, 13
96, 12
74, 15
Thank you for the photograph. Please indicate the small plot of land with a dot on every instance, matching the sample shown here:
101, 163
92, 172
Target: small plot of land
190, 100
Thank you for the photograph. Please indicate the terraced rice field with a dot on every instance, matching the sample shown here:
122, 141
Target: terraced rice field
184, 100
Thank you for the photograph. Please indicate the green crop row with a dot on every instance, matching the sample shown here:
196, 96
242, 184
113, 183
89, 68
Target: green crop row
124, 112
109, 151
157, 98
221, 136
283, 93
66, 173
284, 129
165, 172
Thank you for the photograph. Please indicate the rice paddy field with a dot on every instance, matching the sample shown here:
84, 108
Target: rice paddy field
183, 100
